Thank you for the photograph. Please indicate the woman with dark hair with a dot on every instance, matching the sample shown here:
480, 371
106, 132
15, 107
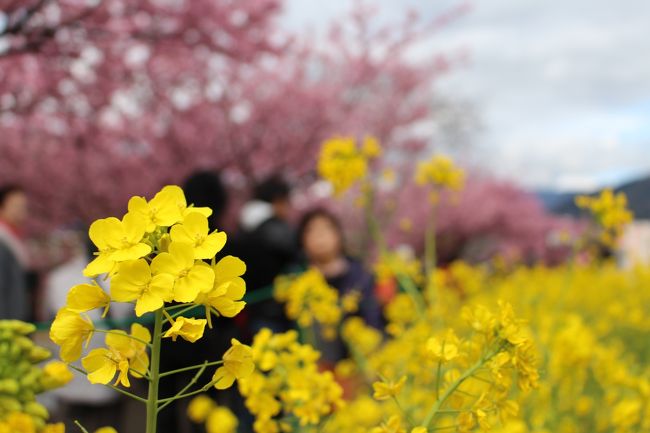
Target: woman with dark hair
322, 240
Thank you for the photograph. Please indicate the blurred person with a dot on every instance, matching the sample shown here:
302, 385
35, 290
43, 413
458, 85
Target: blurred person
202, 189
266, 242
206, 189
14, 258
321, 237
93, 405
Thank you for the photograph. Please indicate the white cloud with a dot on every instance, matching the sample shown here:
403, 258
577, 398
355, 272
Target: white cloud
563, 88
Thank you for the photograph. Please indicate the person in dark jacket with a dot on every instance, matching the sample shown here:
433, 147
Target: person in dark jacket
321, 237
266, 242
202, 189
14, 260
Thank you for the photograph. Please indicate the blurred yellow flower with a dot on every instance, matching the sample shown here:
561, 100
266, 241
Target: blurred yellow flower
221, 420
199, 408
440, 172
106, 430
342, 163
388, 389
441, 350
610, 211
56, 375
54, 428
393, 425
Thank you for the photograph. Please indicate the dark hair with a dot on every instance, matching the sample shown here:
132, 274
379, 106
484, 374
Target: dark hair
315, 213
271, 189
205, 188
7, 190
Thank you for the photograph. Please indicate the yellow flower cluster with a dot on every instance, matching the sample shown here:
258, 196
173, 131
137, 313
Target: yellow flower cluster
343, 163
160, 252
610, 212
590, 323
217, 419
433, 378
310, 299
21, 380
440, 172
287, 389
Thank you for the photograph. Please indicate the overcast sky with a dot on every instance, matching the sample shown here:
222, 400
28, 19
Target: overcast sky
562, 88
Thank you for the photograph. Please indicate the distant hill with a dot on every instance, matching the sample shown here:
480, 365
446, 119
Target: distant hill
637, 191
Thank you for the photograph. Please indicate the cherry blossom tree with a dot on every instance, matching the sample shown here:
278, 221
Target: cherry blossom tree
102, 100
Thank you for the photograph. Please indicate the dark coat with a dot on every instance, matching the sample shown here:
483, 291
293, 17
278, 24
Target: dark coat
14, 303
268, 251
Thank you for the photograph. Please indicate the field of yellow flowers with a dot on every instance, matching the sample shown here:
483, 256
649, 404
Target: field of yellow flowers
493, 347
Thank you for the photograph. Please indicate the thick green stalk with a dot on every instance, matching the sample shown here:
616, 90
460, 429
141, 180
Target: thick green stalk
154, 374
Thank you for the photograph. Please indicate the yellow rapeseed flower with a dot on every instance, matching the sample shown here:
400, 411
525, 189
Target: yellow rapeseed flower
190, 277
70, 330
385, 390
86, 297
163, 210
124, 354
116, 241
186, 328
237, 364
102, 364
134, 282
194, 231
227, 291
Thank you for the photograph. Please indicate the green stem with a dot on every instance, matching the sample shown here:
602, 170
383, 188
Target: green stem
439, 374
193, 367
206, 387
186, 387
78, 424
430, 258
178, 313
411, 289
466, 374
404, 412
152, 397
372, 223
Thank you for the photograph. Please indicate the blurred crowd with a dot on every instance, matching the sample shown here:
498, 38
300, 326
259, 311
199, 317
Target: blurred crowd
269, 239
